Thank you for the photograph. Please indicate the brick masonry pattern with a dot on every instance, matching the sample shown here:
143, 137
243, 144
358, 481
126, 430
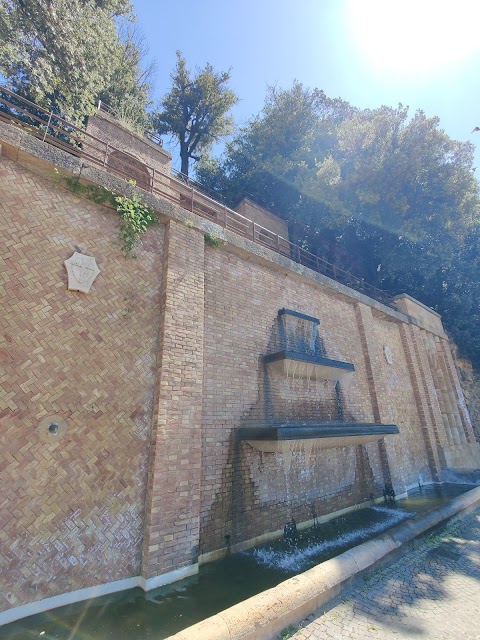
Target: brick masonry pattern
245, 493
72, 505
151, 373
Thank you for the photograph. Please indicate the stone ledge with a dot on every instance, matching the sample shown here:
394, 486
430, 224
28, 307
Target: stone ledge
265, 615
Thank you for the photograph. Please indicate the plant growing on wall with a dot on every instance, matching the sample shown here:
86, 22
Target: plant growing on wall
135, 216
98, 194
213, 240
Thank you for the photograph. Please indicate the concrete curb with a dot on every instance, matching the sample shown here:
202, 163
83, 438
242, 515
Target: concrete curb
263, 616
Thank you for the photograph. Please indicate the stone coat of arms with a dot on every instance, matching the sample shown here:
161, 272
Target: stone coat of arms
82, 271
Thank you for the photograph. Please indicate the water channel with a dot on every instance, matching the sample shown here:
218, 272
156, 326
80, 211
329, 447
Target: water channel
136, 615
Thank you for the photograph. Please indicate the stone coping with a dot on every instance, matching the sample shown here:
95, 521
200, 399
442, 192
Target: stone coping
309, 358
403, 296
297, 314
265, 615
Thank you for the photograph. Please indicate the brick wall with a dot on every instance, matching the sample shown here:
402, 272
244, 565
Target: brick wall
110, 131
425, 316
173, 497
407, 452
470, 381
261, 216
151, 373
71, 505
244, 492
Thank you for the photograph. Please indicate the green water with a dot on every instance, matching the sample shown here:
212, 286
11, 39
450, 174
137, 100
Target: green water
135, 615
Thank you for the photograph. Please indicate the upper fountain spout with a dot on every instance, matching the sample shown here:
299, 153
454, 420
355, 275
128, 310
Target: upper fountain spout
300, 355
302, 351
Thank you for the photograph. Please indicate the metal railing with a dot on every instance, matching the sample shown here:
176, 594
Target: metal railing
59, 132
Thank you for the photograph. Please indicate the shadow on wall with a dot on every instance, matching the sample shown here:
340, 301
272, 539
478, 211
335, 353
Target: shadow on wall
298, 388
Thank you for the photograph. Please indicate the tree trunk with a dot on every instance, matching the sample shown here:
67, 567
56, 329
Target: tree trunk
184, 158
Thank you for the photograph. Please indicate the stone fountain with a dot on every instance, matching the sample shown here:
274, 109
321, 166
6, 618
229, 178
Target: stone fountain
299, 354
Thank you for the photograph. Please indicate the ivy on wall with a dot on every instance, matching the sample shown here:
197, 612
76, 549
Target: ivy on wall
135, 216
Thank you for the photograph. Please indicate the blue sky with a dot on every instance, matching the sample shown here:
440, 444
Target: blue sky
422, 53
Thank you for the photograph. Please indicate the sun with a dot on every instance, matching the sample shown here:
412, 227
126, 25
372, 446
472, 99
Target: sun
415, 37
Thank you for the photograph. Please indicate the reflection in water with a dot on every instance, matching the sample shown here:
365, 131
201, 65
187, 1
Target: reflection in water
135, 615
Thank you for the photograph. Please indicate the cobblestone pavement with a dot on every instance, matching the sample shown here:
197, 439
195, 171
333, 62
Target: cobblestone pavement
433, 592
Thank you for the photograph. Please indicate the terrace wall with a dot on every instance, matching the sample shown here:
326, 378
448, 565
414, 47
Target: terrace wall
150, 374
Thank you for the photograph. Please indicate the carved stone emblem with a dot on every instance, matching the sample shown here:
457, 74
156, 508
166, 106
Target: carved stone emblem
387, 352
82, 271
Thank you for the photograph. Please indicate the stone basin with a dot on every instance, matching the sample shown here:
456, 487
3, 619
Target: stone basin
278, 438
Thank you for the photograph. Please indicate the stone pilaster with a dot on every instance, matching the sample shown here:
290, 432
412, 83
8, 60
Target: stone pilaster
462, 451
465, 426
173, 493
376, 386
425, 395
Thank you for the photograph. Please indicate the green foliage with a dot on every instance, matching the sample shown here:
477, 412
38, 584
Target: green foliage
129, 94
65, 54
135, 216
456, 296
283, 158
382, 194
98, 194
213, 240
194, 110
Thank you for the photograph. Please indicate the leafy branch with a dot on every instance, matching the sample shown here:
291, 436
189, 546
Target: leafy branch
135, 216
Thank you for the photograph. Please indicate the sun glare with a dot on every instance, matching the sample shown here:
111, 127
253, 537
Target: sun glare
415, 36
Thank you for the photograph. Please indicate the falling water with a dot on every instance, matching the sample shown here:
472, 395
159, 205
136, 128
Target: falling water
309, 375
286, 464
308, 450
313, 338
299, 558
287, 368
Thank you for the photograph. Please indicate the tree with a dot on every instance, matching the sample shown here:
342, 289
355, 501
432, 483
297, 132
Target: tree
64, 54
284, 159
412, 195
129, 94
343, 172
195, 110
458, 303
388, 196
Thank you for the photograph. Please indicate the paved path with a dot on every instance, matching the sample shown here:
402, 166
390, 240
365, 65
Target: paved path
433, 592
